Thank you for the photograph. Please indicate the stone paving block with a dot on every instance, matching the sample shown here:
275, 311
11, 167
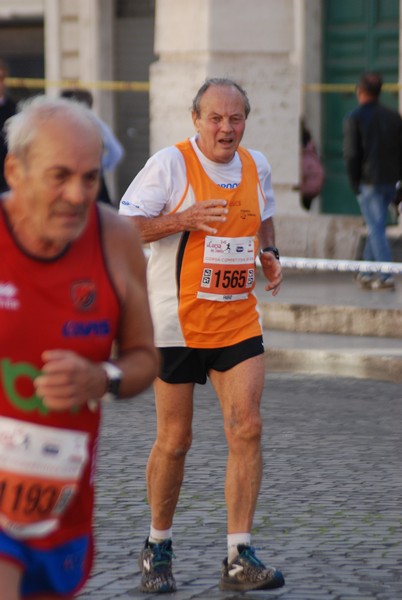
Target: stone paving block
329, 509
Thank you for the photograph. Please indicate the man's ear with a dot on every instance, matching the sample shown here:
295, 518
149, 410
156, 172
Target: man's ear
13, 170
195, 119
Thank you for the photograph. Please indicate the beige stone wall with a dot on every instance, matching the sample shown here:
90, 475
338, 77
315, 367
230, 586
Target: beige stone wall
312, 44
270, 46
253, 42
79, 47
79, 44
21, 8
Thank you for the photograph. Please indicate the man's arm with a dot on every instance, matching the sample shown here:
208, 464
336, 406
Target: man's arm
199, 217
69, 379
271, 267
136, 354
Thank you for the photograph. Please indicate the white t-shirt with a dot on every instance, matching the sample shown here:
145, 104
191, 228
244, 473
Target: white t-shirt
160, 185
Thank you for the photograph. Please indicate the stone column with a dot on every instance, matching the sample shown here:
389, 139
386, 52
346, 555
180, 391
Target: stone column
79, 47
253, 42
79, 44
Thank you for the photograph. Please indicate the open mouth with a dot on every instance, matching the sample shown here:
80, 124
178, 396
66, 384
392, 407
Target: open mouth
226, 141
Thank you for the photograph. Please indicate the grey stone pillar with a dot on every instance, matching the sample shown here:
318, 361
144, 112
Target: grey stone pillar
253, 42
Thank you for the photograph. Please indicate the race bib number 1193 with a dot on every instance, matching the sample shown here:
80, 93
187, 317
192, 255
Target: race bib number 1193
40, 469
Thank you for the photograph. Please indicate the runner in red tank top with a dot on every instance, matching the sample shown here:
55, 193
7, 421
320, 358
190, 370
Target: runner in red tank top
72, 281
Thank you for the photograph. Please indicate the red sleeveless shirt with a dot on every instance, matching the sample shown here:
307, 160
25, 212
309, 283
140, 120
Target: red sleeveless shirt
46, 457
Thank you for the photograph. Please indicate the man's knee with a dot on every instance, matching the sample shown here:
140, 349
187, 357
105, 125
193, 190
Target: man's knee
176, 446
244, 431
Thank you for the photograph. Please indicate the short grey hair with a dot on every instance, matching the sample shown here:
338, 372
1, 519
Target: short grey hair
219, 82
22, 128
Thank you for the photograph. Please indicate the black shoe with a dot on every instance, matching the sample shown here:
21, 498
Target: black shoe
247, 572
155, 563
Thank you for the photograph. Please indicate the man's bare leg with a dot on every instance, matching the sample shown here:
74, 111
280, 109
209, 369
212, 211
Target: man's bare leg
239, 391
165, 469
10, 579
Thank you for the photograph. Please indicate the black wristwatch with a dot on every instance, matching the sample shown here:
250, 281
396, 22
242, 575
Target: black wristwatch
272, 249
113, 376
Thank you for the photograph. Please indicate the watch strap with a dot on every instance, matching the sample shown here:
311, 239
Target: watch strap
113, 377
272, 249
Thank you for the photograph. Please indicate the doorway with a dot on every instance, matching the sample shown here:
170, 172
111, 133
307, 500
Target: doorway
357, 36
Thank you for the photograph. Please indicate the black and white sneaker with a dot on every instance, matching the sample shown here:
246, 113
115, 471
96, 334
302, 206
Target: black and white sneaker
247, 572
155, 563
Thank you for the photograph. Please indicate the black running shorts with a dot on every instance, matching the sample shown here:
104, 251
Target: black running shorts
191, 365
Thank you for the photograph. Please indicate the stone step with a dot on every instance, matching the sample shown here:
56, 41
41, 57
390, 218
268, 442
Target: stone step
313, 302
340, 320
368, 357
323, 323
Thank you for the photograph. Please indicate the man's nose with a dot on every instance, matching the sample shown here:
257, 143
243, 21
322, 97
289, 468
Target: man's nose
76, 191
226, 125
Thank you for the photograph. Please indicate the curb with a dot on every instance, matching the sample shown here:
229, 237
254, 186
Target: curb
342, 364
344, 320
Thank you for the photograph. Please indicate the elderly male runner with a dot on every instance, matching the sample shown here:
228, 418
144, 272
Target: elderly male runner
72, 281
206, 206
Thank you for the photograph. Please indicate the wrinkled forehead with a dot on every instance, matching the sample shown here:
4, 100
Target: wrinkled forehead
67, 137
222, 99
81, 124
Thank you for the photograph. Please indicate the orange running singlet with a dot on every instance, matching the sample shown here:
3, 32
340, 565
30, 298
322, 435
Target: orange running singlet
216, 273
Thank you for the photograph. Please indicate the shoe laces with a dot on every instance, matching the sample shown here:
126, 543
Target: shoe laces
248, 554
162, 554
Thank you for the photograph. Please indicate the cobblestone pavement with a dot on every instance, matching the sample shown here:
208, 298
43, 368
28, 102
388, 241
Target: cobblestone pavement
329, 513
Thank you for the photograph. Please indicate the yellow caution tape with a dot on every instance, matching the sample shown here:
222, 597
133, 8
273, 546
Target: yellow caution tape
116, 86
143, 86
345, 87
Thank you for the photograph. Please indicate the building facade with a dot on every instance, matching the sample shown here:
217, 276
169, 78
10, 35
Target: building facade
276, 49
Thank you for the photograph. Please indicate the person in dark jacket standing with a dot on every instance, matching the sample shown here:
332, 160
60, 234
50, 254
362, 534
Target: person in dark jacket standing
7, 109
373, 155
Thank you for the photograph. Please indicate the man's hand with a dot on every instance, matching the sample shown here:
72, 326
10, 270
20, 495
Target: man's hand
199, 216
273, 272
68, 380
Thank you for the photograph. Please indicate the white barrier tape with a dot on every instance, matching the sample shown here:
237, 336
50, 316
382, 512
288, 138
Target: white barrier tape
326, 264
353, 266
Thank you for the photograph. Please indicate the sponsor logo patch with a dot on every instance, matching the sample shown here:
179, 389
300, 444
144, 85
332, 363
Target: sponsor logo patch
83, 295
86, 328
8, 296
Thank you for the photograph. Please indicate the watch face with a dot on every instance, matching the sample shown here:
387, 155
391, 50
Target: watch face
114, 375
114, 386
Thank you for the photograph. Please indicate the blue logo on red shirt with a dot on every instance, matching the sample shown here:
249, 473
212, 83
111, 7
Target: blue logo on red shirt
87, 328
